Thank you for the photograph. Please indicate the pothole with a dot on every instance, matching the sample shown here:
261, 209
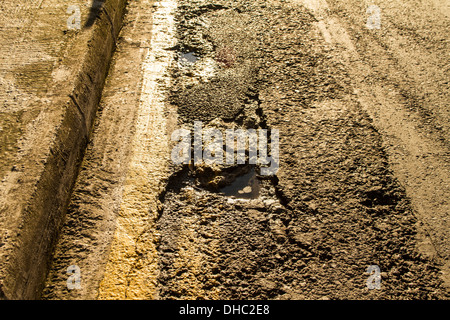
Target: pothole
187, 59
246, 186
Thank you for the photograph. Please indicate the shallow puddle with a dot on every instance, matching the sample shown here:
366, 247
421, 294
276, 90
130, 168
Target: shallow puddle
188, 58
246, 186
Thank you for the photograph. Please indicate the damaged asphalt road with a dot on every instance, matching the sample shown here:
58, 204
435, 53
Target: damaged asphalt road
335, 207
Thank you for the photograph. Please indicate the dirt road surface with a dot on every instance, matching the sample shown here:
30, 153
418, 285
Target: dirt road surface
358, 91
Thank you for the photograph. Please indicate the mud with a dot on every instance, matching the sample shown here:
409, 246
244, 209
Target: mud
335, 206
141, 227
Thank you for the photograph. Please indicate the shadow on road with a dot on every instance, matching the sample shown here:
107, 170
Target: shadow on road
93, 13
